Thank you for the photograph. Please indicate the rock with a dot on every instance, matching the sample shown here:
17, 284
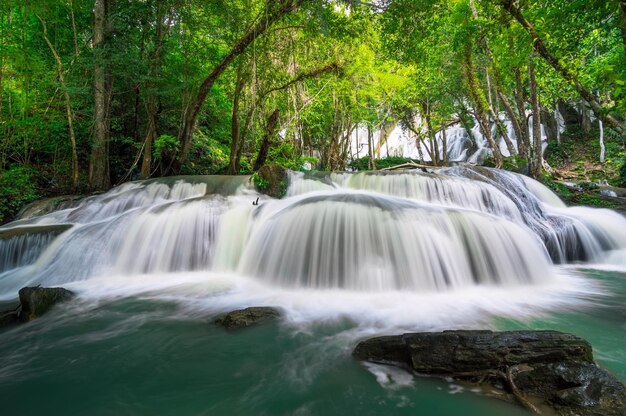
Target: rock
47, 205
271, 180
552, 368
36, 301
243, 318
9, 318
575, 388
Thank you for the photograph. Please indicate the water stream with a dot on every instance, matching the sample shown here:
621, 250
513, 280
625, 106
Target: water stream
344, 256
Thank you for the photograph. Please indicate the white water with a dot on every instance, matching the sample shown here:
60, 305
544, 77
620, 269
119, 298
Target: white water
396, 249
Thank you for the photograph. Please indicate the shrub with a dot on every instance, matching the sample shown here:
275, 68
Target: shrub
17, 188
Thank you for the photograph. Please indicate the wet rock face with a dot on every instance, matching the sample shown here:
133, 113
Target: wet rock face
36, 301
243, 318
546, 367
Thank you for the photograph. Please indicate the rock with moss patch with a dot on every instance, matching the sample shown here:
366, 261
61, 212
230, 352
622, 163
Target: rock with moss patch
243, 318
36, 301
271, 180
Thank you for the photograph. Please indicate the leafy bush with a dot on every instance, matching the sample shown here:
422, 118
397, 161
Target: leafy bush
166, 147
17, 188
621, 181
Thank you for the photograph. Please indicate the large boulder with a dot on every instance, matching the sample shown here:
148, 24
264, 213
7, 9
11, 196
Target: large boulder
37, 300
271, 180
536, 368
243, 318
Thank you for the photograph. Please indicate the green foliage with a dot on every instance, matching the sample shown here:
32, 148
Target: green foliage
166, 147
398, 60
622, 174
259, 182
17, 188
207, 156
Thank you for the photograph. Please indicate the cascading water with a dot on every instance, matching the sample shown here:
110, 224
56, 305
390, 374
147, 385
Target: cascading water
343, 257
413, 231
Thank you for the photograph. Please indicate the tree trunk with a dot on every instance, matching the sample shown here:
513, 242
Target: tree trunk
512, 116
537, 162
234, 125
370, 148
270, 131
523, 142
386, 128
480, 105
568, 75
623, 24
68, 104
444, 141
434, 148
274, 11
99, 177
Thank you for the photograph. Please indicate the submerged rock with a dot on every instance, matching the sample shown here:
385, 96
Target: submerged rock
36, 301
536, 367
243, 318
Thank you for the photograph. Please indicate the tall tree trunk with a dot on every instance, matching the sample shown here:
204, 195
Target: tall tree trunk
386, 128
480, 105
512, 116
623, 19
270, 131
568, 75
68, 103
152, 100
234, 125
274, 10
99, 177
370, 148
537, 162
434, 148
444, 140
523, 142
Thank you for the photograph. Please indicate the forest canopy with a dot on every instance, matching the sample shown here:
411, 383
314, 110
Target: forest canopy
97, 92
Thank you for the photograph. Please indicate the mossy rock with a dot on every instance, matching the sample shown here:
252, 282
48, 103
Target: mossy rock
243, 318
36, 301
271, 180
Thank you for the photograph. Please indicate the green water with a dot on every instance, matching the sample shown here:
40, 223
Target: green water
151, 357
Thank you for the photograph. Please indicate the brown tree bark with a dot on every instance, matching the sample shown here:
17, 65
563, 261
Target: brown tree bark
234, 125
537, 159
270, 131
68, 103
568, 75
99, 177
523, 143
275, 9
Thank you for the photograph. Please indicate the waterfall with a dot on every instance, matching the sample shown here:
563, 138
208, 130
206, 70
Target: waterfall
413, 231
